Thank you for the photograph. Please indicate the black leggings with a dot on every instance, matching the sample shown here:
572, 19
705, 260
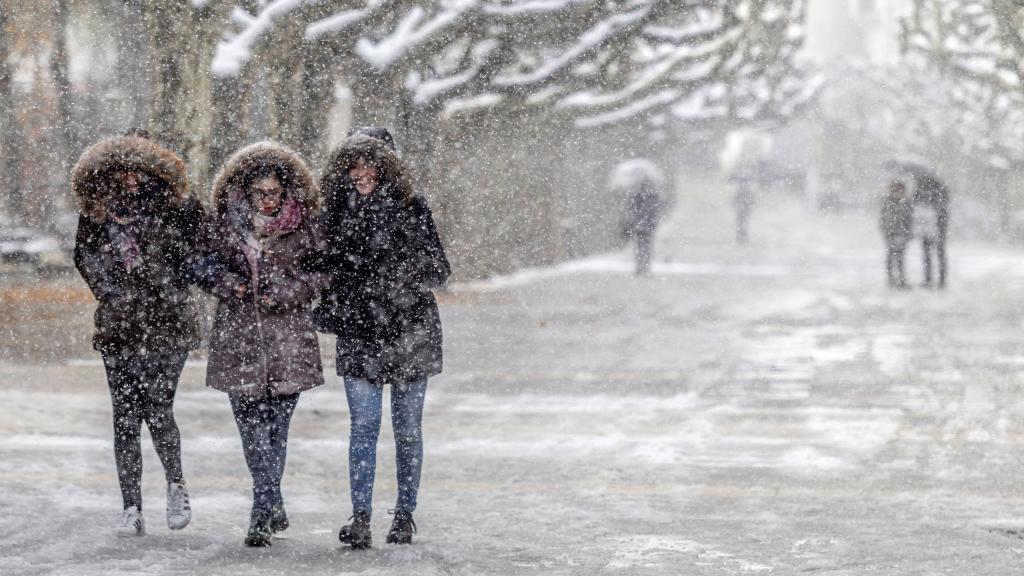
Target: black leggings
642, 250
939, 244
142, 387
894, 267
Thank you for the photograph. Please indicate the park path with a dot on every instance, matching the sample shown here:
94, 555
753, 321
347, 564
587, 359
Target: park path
764, 409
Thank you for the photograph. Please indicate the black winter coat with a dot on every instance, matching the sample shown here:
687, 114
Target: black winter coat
383, 257
149, 306
896, 220
929, 190
643, 208
383, 263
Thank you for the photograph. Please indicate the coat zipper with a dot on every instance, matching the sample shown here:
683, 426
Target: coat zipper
259, 324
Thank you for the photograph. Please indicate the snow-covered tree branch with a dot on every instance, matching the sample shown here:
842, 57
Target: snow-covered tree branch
976, 46
595, 60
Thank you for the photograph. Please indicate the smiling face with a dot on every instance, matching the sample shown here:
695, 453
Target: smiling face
266, 195
365, 176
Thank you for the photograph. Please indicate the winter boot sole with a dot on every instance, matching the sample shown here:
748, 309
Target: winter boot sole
397, 539
258, 540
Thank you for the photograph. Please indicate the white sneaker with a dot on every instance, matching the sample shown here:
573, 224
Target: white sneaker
131, 523
179, 513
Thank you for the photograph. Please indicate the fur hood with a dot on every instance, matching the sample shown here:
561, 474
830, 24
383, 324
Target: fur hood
394, 180
229, 181
92, 177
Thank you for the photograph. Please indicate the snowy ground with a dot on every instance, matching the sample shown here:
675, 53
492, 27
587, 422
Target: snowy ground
770, 409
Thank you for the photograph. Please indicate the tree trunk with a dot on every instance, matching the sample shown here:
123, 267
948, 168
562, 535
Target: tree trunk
67, 146
10, 138
133, 64
182, 42
230, 120
317, 97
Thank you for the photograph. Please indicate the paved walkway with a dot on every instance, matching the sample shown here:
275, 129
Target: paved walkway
768, 409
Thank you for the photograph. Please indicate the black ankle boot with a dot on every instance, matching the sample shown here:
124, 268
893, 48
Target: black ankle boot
278, 518
402, 528
358, 532
260, 533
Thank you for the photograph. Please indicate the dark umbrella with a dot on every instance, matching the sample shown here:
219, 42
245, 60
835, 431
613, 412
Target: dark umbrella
928, 187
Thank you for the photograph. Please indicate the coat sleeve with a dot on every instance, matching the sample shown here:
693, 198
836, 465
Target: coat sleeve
297, 287
188, 222
421, 259
207, 269
95, 269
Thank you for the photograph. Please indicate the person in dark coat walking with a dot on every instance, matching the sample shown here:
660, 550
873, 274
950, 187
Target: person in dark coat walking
931, 200
743, 204
639, 180
136, 238
263, 348
384, 257
896, 223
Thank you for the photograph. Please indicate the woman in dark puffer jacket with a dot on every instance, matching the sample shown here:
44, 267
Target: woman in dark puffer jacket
383, 256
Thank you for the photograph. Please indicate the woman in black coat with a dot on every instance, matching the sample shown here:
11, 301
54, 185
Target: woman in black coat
383, 256
136, 239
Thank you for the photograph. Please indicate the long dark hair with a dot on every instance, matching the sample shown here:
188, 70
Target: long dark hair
393, 184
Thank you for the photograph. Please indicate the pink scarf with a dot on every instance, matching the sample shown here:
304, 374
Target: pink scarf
288, 219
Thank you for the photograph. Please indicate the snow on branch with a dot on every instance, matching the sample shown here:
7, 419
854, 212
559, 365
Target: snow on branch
530, 7
589, 40
627, 112
233, 53
335, 23
409, 33
595, 61
651, 75
428, 90
973, 48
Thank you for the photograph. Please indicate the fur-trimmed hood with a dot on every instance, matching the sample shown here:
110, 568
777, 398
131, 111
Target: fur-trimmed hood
231, 177
92, 178
394, 179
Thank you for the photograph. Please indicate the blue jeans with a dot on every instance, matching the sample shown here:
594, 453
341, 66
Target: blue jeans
263, 425
364, 404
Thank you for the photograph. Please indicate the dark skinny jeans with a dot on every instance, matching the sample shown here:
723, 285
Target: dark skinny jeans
142, 386
263, 426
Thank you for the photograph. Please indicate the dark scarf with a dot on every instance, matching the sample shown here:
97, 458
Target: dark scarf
124, 226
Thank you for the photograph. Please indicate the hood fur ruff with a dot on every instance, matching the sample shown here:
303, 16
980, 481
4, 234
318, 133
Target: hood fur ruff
232, 175
394, 177
91, 178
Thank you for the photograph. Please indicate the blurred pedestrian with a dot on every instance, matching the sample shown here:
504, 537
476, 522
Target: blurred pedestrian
383, 256
263, 348
931, 209
639, 181
743, 204
896, 223
136, 237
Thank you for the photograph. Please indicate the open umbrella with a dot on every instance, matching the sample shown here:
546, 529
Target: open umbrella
928, 187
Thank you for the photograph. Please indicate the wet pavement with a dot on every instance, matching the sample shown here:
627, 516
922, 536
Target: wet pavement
762, 409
